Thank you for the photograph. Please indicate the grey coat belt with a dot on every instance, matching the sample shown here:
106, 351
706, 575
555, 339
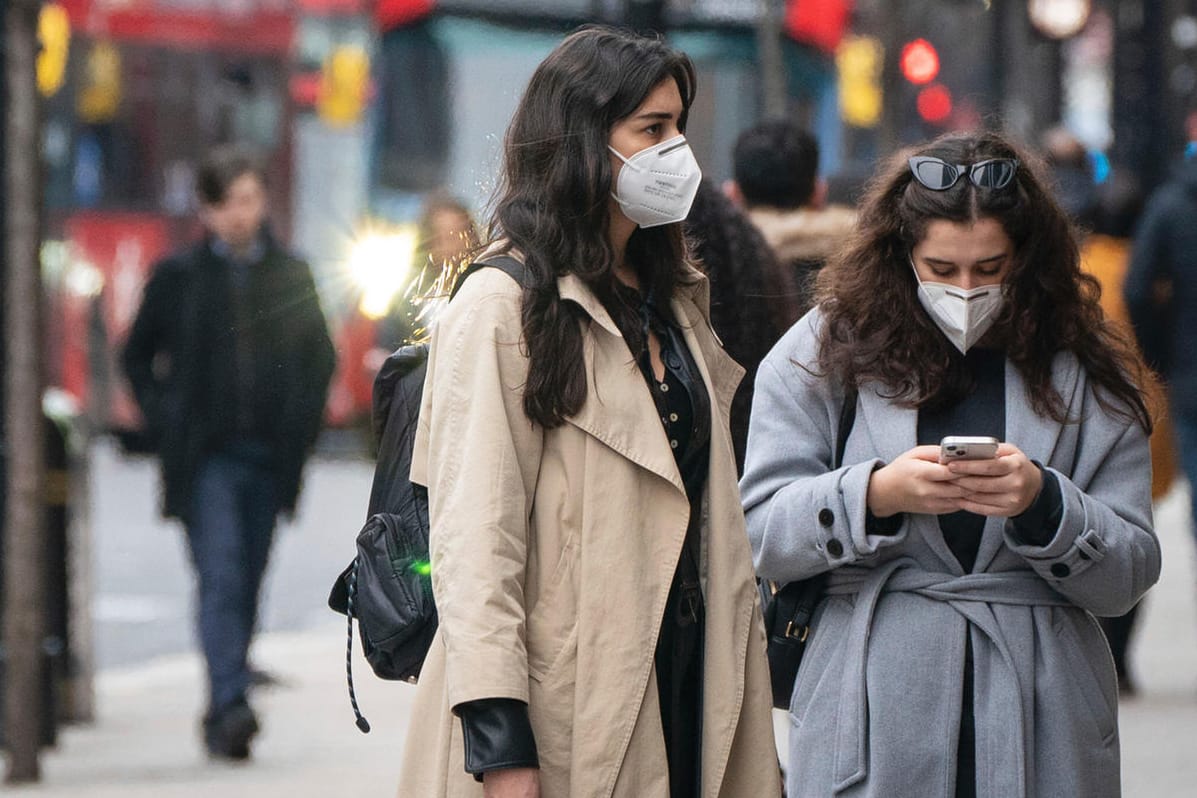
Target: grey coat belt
968, 595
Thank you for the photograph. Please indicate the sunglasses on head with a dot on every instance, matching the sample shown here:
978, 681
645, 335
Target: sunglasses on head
939, 175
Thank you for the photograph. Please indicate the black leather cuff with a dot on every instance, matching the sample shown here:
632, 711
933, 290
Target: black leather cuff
887, 526
1038, 524
497, 735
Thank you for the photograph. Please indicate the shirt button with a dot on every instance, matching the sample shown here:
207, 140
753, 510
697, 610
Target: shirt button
1060, 570
664, 388
835, 548
673, 416
673, 444
826, 517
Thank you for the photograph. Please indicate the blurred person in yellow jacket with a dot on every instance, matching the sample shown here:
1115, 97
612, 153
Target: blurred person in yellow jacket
1105, 255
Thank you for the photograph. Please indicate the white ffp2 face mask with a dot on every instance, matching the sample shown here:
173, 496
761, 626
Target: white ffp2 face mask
963, 316
657, 185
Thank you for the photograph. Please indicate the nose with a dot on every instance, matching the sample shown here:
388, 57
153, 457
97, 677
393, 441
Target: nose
970, 278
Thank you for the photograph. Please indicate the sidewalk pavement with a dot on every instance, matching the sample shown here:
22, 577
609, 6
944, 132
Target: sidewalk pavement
146, 744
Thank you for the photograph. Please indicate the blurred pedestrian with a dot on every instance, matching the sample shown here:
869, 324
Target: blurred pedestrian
1161, 298
777, 182
1105, 255
599, 623
447, 236
955, 646
1071, 173
744, 276
229, 359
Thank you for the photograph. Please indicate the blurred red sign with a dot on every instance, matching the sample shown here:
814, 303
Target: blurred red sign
818, 22
397, 13
122, 247
335, 7
243, 26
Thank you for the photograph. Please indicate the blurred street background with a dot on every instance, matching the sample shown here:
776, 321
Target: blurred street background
364, 109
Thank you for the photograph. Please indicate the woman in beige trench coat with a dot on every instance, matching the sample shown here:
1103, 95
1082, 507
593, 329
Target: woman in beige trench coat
600, 631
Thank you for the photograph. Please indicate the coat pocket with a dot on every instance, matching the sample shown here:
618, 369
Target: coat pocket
1100, 702
553, 619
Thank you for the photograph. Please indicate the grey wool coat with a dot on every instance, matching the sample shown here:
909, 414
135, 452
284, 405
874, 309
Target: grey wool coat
876, 708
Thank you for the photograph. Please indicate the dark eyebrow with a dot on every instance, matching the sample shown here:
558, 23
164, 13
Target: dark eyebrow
663, 115
940, 262
993, 258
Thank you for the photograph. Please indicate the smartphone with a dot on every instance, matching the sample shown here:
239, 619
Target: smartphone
964, 447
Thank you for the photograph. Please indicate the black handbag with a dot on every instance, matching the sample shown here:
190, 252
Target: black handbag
789, 608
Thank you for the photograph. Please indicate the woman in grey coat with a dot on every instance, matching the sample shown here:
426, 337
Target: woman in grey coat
956, 652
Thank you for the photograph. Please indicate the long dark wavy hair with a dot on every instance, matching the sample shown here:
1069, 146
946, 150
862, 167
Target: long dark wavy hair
553, 202
877, 330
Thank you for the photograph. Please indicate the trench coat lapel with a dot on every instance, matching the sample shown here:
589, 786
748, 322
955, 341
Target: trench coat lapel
729, 585
619, 411
722, 373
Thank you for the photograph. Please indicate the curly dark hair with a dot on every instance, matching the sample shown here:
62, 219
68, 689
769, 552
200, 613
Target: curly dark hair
750, 291
554, 194
877, 330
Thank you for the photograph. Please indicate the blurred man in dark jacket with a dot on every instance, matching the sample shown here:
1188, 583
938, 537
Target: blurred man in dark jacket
777, 182
1161, 298
229, 358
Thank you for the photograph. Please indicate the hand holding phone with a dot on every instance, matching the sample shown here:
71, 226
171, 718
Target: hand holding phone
967, 447
1005, 485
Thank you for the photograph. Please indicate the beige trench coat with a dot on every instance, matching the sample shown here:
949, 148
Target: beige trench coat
553, 553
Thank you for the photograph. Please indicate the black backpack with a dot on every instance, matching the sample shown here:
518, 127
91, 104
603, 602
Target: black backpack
388, 586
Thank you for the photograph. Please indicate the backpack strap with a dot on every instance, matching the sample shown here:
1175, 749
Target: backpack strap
847, 421
512, 267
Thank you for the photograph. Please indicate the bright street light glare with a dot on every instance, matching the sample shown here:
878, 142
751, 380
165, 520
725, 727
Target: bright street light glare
381, 264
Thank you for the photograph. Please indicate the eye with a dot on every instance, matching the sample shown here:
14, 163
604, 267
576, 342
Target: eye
991, 270
653, 130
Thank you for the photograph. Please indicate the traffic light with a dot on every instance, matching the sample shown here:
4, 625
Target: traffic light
919, 62
54, 32
99, 95
858, 61
935, 103
344, 84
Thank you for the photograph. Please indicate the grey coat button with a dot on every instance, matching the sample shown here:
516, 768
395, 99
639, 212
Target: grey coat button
826, 517
1060, 570
835, 548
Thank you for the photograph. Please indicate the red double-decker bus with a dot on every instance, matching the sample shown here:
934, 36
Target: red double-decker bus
148, 87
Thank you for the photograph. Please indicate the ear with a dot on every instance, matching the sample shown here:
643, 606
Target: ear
818, 198
731, 190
